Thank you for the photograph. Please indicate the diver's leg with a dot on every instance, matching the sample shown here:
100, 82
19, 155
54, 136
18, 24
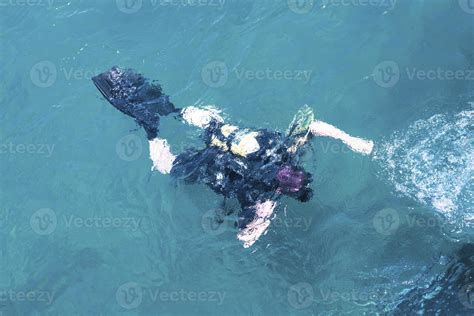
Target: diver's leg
360, 145
256, 227
161, 155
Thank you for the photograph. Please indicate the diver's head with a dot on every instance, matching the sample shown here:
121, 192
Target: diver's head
294, 181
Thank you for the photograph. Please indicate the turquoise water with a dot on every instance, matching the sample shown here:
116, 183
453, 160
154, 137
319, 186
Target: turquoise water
87, 229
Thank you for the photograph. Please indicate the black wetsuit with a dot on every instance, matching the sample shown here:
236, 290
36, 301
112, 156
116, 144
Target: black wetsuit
249, 179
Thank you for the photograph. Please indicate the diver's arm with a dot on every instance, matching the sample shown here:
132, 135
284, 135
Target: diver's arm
360, 145
258, 226
161, 155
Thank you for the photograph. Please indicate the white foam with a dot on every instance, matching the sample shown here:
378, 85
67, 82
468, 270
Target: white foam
433, 162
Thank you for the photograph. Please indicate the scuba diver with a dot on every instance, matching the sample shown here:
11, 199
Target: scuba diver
255, 166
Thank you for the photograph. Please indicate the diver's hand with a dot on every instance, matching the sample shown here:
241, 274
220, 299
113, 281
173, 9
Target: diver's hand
362, 146
258, 226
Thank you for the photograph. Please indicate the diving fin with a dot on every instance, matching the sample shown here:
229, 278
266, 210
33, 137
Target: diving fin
301, 121
134, 95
